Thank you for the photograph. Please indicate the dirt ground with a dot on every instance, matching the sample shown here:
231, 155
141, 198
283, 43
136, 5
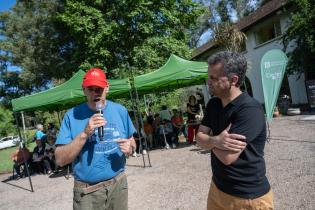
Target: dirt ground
179, 178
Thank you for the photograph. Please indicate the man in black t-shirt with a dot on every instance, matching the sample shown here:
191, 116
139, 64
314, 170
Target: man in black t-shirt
234, 129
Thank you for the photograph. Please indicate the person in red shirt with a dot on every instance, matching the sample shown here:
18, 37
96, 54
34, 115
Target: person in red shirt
18, 159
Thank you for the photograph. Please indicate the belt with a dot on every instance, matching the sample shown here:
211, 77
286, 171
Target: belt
88, 188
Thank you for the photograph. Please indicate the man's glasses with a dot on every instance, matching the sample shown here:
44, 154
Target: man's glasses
96, 90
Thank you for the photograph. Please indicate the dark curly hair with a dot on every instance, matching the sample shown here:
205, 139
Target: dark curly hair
233, 63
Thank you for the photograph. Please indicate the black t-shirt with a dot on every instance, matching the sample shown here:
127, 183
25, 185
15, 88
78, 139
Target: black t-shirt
194, 108
246, 177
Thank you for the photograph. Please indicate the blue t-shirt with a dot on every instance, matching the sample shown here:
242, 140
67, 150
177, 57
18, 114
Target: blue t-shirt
40, 135
99, 159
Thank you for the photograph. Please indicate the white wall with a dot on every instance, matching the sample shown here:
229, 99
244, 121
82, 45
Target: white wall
255, 53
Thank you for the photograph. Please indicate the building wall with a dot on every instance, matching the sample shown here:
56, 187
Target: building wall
255, 52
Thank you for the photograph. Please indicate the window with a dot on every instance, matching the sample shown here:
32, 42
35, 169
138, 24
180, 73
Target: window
268, 31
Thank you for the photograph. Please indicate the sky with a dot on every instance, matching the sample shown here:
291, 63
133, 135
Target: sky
6, 4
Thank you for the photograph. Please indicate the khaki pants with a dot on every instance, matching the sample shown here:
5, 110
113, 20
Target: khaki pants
218, 200
109, 197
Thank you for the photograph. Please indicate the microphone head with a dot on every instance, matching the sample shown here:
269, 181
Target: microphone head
99, 105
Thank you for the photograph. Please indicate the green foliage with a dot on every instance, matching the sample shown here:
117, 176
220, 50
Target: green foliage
220, 13
51, 39
142, 34
29, 134
33, 43
229, 37
6, 122
301, 32
173, 100
45, 117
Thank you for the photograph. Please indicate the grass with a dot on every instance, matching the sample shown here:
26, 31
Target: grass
6, 163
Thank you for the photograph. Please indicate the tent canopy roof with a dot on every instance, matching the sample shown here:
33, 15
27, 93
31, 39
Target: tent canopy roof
65, 95
175, 73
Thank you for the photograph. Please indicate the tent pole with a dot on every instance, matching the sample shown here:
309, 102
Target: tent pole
145, 105
141, 121
22, 141
23, 123
137, 123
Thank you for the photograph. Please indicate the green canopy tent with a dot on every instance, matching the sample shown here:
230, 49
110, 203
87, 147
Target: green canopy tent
175, 73
65, 95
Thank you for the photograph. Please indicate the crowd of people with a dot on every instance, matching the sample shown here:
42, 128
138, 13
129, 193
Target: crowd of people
162, 130
42, 159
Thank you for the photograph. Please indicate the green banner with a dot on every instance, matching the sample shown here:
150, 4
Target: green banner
272, 65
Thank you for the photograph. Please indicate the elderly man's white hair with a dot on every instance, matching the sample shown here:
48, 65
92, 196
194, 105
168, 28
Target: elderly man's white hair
39, 126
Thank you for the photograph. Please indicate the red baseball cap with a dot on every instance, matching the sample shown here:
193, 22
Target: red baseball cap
95, 77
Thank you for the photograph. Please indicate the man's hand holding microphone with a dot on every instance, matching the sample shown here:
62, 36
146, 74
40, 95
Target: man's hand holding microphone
98, 121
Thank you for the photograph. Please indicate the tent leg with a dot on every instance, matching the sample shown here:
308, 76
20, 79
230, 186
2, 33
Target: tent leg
23, 123
142, 125
21, 147
137, 125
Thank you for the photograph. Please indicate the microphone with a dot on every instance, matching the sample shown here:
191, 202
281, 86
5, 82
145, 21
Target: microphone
99, 109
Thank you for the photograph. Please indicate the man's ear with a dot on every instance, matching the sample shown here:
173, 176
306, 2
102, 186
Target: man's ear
106, 89
234, 79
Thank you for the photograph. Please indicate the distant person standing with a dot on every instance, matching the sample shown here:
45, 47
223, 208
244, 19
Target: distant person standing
96, 137
165, 114
193, 110
234, 129
200, 99
40, 135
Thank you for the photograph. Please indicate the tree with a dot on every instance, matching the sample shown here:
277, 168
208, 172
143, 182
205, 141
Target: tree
222, 14
32, 42
301, 33
229, 37
51, 39
6, 122
116, 34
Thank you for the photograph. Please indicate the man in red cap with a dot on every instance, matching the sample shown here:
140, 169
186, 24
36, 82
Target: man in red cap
96, 137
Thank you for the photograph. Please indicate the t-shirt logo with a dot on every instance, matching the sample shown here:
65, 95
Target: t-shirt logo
108, 144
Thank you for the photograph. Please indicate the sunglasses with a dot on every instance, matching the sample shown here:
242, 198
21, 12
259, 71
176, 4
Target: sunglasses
96, 90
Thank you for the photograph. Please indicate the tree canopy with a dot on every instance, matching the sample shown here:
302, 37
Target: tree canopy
52, 39
301, 32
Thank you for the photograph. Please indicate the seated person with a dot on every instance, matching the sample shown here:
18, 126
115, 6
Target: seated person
167, 133
18, 160
39, 163
156, 130
49, 154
